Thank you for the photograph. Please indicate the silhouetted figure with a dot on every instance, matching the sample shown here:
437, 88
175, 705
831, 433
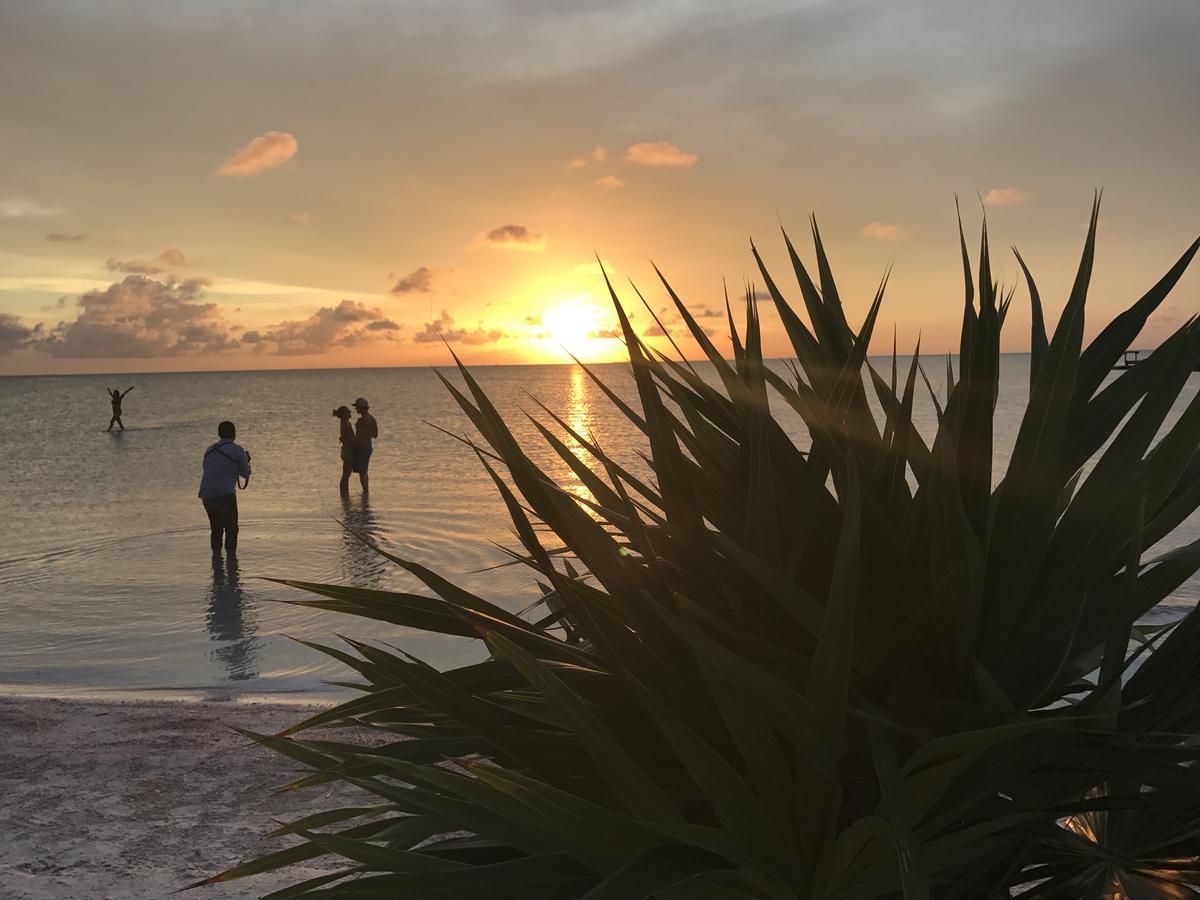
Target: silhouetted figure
224, 463
230, 621
117, 397
346, 439
365, 429
362, 566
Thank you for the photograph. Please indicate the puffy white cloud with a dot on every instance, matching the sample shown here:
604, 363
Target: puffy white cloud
1007, 196
141, 317
265, 152
660, 153
514, 237
442, 329
609, 182
883, 232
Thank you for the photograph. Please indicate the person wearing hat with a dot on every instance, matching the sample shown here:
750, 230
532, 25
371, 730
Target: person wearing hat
365, 429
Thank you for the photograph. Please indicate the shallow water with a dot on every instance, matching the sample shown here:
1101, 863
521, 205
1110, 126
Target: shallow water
106, 580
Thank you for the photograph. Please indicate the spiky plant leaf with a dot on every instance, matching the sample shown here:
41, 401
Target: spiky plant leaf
865, 664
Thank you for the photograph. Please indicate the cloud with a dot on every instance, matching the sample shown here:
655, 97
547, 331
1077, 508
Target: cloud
24, 208
172, 257
131, 266
14, 335
348, 324
598, 154
141, 317
660, 153
609, 182
882, 232
442, 329
669, 316
63, 237
265, 152
301, 218
533, 320
606, 334
514, 237
419, 281
1007, 196
383, 325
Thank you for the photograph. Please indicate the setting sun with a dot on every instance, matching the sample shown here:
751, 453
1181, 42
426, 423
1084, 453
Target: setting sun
580, 328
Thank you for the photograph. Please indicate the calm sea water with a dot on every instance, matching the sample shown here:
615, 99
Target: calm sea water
106, 579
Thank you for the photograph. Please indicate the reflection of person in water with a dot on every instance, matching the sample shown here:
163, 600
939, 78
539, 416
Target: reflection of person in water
363, 566
230, 621
116, 397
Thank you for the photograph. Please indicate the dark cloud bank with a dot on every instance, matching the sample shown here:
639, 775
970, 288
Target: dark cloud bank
143, 317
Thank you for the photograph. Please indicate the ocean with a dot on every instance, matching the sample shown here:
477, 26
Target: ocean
107, 584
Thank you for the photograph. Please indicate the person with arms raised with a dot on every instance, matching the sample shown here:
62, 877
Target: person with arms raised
116, 397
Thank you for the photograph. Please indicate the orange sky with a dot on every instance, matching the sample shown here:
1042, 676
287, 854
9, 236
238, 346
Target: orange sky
267, 184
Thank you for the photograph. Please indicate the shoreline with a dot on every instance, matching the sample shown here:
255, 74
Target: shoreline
122, 798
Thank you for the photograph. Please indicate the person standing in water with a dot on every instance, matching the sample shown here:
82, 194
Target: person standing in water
117, 397
224, 463
346, 439
365, 430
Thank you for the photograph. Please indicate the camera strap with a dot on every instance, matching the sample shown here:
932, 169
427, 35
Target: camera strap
236, 462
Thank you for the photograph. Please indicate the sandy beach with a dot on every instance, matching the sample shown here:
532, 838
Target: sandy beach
135, 799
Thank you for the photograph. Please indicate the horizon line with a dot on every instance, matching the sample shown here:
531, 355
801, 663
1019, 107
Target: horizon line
451, 365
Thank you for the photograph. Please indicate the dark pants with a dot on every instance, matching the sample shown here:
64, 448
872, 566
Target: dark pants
222, 517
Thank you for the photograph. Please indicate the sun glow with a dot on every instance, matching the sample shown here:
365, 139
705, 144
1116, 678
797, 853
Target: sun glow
580, 328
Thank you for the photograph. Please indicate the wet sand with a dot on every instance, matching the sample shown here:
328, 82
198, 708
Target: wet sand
135, 799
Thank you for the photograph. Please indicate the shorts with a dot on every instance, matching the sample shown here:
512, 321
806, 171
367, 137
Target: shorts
362, 458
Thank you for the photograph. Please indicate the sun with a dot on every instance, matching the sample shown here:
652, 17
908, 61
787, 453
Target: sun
580, 328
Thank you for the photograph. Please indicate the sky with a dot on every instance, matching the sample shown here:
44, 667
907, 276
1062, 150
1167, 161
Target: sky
252, 185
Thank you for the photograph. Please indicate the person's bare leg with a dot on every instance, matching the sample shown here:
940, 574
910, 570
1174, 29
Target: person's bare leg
110, 423
362, 479
344, 484
119, 422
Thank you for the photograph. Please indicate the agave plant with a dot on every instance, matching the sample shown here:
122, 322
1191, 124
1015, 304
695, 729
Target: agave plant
866, 667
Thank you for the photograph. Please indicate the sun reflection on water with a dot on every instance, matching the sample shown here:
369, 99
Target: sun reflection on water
579, 416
